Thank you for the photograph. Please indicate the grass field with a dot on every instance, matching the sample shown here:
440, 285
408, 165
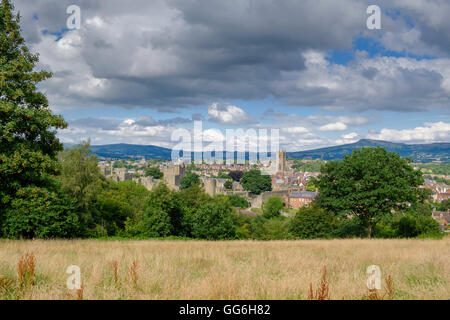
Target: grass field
420, 269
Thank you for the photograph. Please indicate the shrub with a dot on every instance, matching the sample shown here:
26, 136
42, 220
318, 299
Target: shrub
214, 221
154, 172
154, 223
41, 213
270, 229
272, 207
313, 222
255, 182
189, 180
349, 228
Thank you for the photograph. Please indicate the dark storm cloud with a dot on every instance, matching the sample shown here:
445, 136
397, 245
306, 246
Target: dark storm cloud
173, 54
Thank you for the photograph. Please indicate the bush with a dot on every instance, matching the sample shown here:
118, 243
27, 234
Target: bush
270, 229
154, 223
41, 213
272, 207
237, 201
255, 182
214, 221
154, 172
349, 228
406, 225
228, 184
189, 180
313, 222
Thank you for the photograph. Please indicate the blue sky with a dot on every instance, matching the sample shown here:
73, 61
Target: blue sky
135, 73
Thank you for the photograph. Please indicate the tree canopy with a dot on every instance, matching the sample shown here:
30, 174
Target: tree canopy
154, 172
255, 182
28, 143
368, 183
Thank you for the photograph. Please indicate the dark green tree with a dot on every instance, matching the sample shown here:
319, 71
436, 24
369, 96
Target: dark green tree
189, 180
272, 207
28, 143
154, 172
171, 203
115, 204
38, 212
313, 222
369, 183
236, 175
80, 174
214, 221
228, 184
255, 182
444, 205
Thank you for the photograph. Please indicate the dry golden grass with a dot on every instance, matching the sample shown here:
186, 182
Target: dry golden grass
420, 269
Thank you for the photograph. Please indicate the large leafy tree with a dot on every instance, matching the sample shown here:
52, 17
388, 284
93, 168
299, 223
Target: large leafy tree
28, 143
370, 183
189, 180
255, 182
214, 221
80, 174
272, 207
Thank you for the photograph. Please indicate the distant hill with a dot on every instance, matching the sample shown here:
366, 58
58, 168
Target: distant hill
123, 151
418, 152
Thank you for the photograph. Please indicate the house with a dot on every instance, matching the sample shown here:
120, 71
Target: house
442, 217
297, 199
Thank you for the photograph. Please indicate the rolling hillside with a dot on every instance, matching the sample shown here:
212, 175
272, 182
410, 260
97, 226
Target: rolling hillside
418, 152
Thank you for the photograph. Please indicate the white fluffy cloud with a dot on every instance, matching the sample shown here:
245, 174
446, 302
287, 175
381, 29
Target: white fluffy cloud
227, 114
429, 132
338, 126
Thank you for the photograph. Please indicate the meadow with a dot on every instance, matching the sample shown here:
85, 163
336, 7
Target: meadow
175, 269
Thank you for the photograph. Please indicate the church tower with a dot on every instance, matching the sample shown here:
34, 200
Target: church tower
281, 161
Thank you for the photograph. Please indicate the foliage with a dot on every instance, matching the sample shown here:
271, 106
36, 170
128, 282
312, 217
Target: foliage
311, 186
28, 143
171, 203
369, 183
118, 202
214, 221
153, 223
237, 201
189, 180
236, 175
309, 166
349, 228
272, 207
37, 212
228, 184
444, 205
435, 168
312, 222
406, 225
270, 229
80, 175
255, 182
154, 172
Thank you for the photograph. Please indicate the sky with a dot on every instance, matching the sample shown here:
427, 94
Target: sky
137, 70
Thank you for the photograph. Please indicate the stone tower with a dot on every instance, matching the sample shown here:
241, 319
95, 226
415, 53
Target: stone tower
281, 161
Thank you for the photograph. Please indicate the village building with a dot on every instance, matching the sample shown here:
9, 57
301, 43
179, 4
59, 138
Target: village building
298, 199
